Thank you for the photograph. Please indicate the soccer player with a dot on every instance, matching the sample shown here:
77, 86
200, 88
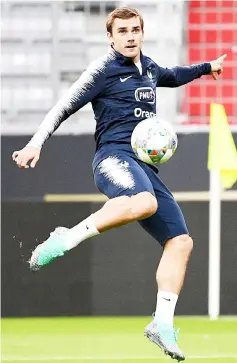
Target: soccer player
115, 85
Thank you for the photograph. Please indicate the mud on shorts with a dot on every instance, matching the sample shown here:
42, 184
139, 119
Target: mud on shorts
121, 175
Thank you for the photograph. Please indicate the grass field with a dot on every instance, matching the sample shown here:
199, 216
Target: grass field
118, 340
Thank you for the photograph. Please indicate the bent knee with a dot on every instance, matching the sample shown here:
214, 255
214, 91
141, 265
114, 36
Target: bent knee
139, 206
136, 207
144, 205
182, 243
150, 206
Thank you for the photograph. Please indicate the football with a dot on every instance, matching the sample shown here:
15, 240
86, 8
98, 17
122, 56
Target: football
154, 141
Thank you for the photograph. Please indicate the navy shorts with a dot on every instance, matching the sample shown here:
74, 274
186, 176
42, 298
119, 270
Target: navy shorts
120, 174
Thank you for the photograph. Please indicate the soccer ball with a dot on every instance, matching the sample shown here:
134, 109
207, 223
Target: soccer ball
154, 141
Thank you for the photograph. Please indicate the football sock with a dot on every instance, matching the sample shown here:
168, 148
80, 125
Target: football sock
165, 306
82, 231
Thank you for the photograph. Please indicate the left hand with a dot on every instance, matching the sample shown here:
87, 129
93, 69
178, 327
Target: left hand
216, 66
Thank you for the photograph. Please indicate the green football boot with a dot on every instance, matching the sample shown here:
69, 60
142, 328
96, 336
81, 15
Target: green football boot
165, 337
54, 247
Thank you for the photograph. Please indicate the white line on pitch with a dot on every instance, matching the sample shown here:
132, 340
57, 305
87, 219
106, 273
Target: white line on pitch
106, 358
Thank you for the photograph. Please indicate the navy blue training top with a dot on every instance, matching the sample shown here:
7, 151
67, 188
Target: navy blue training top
121, 97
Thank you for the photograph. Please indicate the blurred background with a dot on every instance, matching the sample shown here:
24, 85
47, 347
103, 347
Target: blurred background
45, 47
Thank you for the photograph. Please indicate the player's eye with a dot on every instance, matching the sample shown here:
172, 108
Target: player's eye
122, 31
137, 30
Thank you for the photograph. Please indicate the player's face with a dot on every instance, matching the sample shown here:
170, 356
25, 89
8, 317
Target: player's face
127, 37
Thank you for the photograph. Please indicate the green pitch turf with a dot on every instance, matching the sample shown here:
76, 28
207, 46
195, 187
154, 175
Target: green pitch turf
115, 340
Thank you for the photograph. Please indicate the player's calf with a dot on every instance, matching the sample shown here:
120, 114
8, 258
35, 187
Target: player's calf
115, 212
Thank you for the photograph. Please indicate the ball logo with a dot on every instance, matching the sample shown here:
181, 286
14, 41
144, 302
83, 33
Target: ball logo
145, 94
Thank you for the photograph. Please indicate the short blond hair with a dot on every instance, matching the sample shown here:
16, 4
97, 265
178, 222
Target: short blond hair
122, 13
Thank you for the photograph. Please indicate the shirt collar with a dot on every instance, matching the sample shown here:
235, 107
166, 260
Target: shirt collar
125, 60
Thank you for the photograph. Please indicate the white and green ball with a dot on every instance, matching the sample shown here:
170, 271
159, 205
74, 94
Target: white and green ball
154, 141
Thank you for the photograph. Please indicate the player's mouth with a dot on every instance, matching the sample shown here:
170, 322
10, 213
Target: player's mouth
130, 46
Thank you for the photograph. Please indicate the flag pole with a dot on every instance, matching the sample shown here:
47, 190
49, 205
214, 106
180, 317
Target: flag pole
214, 245
223, 173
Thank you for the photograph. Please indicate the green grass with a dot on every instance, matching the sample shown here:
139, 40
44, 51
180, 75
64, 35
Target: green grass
115, 340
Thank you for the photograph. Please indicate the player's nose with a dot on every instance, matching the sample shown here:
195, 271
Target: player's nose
130, 36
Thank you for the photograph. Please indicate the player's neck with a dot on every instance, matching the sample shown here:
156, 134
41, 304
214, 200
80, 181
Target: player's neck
137, 59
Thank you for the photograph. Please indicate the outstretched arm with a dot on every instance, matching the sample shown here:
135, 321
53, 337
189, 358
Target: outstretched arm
178, 76
87, 87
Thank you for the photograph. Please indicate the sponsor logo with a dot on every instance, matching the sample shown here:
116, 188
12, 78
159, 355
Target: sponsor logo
124, 79
138, 112
145, 94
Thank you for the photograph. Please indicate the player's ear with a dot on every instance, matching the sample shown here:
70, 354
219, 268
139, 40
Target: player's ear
109, 36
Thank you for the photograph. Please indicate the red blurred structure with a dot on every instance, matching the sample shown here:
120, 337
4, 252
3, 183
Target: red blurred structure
212, 31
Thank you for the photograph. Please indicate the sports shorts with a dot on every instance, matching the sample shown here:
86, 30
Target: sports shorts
119, 174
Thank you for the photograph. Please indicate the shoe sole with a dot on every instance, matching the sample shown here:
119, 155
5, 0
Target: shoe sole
157, 341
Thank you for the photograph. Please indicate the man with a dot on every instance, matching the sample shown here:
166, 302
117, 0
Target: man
136, 193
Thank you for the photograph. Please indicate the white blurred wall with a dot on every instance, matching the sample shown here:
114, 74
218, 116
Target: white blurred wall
47, 45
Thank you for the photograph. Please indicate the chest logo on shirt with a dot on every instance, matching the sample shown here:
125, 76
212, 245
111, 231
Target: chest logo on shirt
124, 79
145, 94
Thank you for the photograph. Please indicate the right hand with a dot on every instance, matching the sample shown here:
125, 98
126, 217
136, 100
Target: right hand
23, 156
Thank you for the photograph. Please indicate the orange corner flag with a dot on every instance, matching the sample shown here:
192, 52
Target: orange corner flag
222, 153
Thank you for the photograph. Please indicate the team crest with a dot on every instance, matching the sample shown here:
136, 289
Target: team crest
149, 75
